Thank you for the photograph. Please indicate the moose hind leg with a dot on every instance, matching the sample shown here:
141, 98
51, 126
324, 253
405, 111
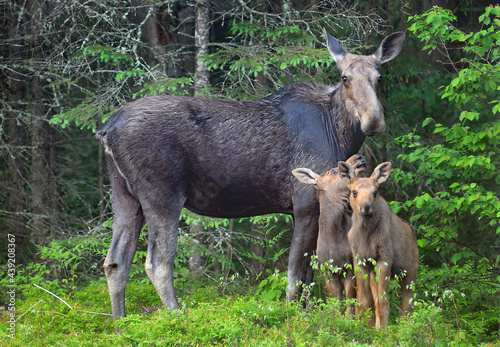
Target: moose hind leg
379, 283
350, 293
333, 287
127, 222
162, 245
407, 293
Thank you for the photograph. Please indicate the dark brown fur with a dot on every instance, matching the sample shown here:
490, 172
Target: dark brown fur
377, 234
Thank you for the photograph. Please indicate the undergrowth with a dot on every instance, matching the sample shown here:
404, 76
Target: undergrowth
260, 318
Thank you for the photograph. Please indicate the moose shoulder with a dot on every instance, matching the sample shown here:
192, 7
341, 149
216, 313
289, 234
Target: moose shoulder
226, 158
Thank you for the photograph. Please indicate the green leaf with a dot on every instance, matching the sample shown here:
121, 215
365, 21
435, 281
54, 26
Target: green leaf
426, 121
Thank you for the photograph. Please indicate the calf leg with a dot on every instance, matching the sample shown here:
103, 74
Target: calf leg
333, 287
364, 294
350, 293
379, 283
163, 232
407, 293
127, 222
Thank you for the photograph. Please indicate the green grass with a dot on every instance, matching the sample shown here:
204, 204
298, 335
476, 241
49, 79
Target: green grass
210, 319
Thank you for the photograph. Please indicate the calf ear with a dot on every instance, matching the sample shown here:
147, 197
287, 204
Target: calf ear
389, 48
382, 172
336, 51
305, 175
346, 172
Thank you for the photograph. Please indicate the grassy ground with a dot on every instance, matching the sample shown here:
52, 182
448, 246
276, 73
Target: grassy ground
261, 318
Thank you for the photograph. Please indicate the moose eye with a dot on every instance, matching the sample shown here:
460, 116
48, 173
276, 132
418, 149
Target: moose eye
380, 78
375, 194
354, 193
345, 79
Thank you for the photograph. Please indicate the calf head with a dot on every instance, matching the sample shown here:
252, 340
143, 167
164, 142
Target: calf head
364, 190
360, 79
330, 182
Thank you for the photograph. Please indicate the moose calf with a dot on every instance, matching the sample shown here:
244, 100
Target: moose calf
382, 244
334, 224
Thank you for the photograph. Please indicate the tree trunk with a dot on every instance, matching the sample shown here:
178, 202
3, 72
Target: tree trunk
201, 38
16, 151
256, 232
42, 181
196, 229
201, 80
40, 159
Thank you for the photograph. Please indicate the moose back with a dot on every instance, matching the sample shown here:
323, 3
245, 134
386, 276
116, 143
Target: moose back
225, 158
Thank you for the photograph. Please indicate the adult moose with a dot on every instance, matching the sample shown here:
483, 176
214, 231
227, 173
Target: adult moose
225, 158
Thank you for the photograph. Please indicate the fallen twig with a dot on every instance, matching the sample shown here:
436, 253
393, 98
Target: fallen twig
36, 285
28, 310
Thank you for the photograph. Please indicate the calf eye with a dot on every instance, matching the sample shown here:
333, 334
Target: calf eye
354, 193
375, 194
380, 78
345, 79
334, 171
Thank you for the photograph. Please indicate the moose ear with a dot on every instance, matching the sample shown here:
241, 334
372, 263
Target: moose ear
382, 172
305, 175
346, 172
390, 47
336, 51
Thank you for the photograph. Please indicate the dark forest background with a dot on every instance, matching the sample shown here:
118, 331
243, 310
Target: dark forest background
68, 65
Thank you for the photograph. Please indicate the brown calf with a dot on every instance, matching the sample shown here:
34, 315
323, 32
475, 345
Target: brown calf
383, 245
334, 224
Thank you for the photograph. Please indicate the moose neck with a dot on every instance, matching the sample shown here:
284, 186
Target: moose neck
332, 211
343, 125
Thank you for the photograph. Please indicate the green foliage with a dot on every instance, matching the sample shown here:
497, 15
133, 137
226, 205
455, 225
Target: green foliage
277, 57
458, 208
207, 319
174, 86
446, 312
106, 54
84, 115
273, 287
269, 51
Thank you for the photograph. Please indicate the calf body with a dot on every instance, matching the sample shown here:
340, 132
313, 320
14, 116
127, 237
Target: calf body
333, 247
382, 244
231, 159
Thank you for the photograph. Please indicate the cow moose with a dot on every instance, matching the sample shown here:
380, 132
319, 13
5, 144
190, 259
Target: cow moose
231, 159
382, 244
334, 223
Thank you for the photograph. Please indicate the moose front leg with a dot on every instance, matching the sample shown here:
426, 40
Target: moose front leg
379, 284
364, 295
304, 242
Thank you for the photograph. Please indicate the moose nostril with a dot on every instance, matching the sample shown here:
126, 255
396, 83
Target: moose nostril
367, 211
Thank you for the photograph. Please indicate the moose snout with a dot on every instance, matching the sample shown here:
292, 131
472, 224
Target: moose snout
360, 161
366, 210
374, 129
373, 121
